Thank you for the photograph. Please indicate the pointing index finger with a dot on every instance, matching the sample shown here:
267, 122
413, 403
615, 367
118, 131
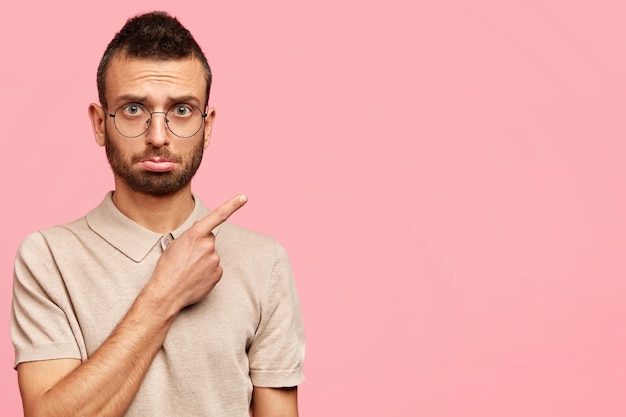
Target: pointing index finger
221, 214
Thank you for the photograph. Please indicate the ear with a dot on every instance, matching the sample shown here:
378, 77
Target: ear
208, 126
98, 118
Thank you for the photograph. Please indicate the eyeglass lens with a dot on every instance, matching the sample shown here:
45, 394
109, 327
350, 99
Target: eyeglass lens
133, 119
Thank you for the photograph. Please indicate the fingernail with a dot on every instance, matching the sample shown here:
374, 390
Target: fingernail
243, 198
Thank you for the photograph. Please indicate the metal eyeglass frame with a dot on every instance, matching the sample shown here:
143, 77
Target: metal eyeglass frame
149, 121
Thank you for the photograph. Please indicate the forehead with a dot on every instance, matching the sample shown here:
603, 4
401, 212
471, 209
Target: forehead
155, 80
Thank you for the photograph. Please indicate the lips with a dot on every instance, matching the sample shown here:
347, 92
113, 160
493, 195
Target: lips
158, 164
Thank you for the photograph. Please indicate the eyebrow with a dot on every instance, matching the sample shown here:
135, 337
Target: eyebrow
130, 98
141, 99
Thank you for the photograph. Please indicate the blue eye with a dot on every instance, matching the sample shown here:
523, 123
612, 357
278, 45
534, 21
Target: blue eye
133, 109
182, 111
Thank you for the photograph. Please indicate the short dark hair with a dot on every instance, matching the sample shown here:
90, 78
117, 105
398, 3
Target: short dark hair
155, 35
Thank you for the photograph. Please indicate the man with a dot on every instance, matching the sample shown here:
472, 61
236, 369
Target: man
151, 305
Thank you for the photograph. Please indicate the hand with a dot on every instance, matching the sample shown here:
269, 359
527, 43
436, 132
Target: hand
190, 267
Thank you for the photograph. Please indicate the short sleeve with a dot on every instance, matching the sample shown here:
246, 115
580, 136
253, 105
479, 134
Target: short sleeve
276, 354
40, 327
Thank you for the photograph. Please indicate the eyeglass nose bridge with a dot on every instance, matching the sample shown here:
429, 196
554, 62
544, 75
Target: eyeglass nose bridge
164, 113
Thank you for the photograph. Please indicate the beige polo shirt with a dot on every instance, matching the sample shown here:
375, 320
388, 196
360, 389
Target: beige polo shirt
73, 283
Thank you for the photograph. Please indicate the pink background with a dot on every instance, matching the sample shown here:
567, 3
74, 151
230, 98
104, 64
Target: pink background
446, 175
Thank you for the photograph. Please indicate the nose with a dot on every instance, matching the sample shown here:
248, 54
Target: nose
157, 134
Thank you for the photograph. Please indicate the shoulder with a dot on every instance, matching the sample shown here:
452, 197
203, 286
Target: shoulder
242, 246
232, 235
39, 242
60, 232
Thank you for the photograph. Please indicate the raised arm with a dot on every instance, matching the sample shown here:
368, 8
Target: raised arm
106, 383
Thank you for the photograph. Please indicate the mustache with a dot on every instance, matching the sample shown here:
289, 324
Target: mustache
156, 153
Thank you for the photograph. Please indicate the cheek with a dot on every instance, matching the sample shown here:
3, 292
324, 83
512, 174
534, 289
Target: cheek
115, 148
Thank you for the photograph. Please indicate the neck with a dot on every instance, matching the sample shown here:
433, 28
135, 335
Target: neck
160, 214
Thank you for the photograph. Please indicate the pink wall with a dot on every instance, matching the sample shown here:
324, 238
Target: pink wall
447, 176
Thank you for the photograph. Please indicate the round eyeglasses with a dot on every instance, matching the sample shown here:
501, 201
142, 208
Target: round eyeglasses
133, 119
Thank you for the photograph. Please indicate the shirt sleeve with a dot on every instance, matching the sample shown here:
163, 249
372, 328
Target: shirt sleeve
277, 352
40, 327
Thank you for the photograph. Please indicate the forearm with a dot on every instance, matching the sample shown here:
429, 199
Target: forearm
275, 402
106, 384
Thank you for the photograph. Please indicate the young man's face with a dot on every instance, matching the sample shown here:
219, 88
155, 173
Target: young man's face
156, 162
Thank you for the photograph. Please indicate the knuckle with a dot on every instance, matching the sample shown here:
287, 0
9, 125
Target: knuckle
217, 274
214, 259
222, 214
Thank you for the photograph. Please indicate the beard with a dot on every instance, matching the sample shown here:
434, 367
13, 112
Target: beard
154, 183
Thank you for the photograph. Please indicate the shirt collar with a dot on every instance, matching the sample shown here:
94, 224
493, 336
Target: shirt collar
129, 237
